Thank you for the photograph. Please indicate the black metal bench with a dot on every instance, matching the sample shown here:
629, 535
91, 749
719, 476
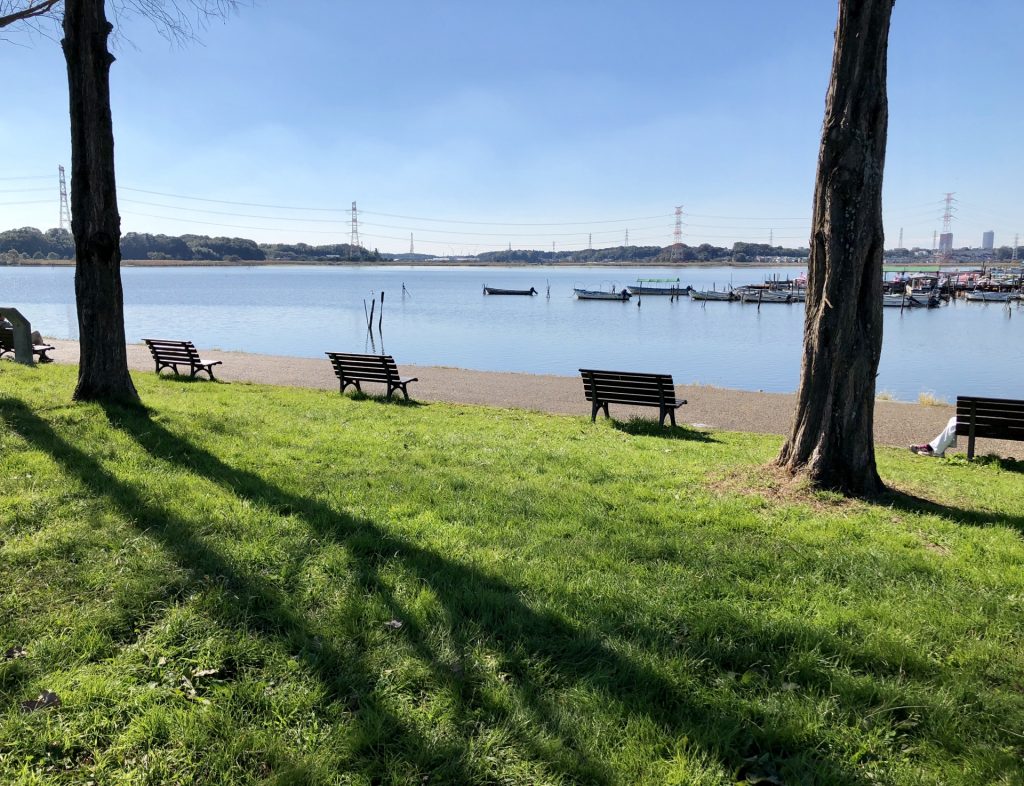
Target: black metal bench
351, 369
7, 346
989, 418
624, 387
171, 354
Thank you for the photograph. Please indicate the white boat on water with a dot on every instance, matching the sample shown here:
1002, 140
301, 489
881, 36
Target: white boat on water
600, 294
984, 296
910, 300
658, 286
766, 296
710, 294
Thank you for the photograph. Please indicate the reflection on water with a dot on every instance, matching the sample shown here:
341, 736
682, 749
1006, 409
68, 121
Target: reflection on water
445, 319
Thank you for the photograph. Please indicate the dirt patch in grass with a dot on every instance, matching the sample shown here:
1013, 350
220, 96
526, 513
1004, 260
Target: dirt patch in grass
775, 484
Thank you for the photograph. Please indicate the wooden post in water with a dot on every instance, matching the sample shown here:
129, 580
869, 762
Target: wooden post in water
380, 319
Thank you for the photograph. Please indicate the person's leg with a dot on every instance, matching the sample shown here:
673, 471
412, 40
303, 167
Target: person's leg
937, 447
946, 439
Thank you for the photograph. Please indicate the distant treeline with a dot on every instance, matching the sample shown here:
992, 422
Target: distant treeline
30, 243
739, 252
55, 244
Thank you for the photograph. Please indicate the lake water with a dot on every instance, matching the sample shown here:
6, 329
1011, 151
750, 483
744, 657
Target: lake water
444, 319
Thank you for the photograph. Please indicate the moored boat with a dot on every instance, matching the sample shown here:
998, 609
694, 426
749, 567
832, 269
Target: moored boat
986, 296
498, 291
710, 294
657, 286
905, 300
598, 294
765, 296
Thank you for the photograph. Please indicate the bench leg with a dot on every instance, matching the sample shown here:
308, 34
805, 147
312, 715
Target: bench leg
970, 432
593, 412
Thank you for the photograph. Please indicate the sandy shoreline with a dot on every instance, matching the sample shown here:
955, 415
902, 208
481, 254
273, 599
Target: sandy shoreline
896, 423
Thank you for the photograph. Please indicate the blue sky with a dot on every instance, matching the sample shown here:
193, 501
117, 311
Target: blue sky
528, 123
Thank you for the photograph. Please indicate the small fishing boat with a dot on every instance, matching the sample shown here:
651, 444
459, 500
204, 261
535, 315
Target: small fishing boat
710, 294
599, 294
909, 300
765, 296
497, 291
657, 286
985, 296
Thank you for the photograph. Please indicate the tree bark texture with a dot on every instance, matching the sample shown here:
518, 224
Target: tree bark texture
832, 440
95, 221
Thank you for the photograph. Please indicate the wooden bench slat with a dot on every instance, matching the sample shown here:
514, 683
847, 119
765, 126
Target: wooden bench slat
990, 404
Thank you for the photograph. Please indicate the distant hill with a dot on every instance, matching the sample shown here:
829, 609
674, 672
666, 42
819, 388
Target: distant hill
26, 243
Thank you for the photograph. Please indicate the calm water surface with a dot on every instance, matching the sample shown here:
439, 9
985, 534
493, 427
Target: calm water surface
444, 319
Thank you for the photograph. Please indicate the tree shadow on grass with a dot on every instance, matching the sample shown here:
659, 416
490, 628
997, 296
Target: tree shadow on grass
396, 400
647, 427
911, 503
487, 610
999, 462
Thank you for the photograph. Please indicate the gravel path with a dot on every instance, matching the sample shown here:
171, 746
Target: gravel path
896, 423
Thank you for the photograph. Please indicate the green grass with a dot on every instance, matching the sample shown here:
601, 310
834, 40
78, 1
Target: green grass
208, 587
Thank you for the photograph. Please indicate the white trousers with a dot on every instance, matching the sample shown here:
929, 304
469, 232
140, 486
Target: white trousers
946, 439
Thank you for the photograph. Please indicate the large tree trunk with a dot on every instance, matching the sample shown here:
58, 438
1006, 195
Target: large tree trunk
96, 224
832, 440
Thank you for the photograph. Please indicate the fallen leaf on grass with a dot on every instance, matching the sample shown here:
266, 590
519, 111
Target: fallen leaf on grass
393, 624
45, 700
15, 652
205, 672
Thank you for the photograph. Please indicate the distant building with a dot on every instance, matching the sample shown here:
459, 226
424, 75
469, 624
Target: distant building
988, 240
946, 243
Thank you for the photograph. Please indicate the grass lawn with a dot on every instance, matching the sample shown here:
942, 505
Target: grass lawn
258, 585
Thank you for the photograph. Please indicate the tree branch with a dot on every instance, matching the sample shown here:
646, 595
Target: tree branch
35, 8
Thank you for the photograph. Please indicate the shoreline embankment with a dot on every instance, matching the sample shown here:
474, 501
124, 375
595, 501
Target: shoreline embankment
897, 423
